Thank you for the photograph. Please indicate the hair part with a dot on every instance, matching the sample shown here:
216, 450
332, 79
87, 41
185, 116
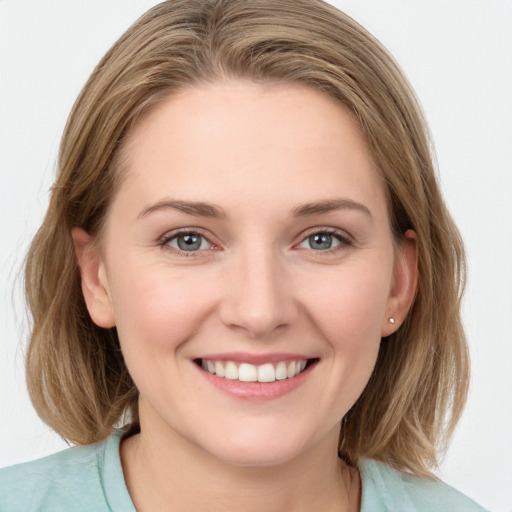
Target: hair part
77, 378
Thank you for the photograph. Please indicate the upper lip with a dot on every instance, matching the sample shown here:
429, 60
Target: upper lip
255, 359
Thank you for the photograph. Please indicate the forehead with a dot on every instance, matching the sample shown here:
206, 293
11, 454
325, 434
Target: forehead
244, 141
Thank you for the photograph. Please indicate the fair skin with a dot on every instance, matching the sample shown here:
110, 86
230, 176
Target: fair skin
284, 262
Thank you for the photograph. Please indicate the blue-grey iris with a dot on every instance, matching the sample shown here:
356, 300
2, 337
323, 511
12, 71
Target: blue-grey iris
189, 242
320, 241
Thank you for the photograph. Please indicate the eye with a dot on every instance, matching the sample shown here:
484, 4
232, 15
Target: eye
324, 240
189, 241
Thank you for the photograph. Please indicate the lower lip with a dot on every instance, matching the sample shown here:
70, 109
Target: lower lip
257, 391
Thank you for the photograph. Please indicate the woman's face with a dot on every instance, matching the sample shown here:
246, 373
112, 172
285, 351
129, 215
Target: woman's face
250, 239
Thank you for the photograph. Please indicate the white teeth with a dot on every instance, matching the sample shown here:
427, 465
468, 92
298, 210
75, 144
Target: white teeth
219, 369
291, 370
266, 373
281, 373
231, 371
245, 372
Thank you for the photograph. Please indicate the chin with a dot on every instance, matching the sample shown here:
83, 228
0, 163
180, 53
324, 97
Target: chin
259, 450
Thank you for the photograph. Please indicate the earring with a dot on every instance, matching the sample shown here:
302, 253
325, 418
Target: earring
391, 320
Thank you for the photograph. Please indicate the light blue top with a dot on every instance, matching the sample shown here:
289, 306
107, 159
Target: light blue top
90, 478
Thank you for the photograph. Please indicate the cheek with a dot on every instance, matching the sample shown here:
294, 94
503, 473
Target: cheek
347, 314
350, 307
160, 308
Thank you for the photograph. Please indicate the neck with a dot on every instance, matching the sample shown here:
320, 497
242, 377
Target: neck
165, 472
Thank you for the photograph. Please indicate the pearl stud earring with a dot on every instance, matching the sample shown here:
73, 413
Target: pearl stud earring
391, 320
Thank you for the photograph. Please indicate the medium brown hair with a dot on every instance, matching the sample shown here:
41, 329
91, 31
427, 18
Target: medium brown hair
76, 375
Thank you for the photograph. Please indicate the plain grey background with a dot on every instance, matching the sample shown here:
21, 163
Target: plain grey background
457, 54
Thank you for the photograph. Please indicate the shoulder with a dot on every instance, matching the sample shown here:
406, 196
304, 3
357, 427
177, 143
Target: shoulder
69, 480
386, 489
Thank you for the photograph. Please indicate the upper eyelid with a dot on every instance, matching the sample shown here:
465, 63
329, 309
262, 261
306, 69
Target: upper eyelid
326, 229
169, 235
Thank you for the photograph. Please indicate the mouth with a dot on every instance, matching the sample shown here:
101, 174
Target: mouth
263, 373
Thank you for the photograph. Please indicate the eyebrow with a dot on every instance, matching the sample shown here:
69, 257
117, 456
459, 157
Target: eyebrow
199, 209
319, 207
202, 209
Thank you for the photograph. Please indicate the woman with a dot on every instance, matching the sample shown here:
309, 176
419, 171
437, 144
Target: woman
247, 268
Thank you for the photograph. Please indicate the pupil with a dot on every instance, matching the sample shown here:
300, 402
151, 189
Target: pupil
189, 242
320, 241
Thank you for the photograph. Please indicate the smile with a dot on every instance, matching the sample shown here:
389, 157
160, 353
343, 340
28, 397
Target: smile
246, 372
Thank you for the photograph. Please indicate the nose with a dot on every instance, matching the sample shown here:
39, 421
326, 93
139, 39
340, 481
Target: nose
258, 298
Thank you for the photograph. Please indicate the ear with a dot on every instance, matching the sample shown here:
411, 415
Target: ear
94, 279
404, 283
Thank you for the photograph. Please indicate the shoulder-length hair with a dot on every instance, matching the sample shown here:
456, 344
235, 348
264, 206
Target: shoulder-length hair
77, 378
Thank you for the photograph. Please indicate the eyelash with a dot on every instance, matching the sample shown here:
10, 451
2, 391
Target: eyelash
164, 241
344, 239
